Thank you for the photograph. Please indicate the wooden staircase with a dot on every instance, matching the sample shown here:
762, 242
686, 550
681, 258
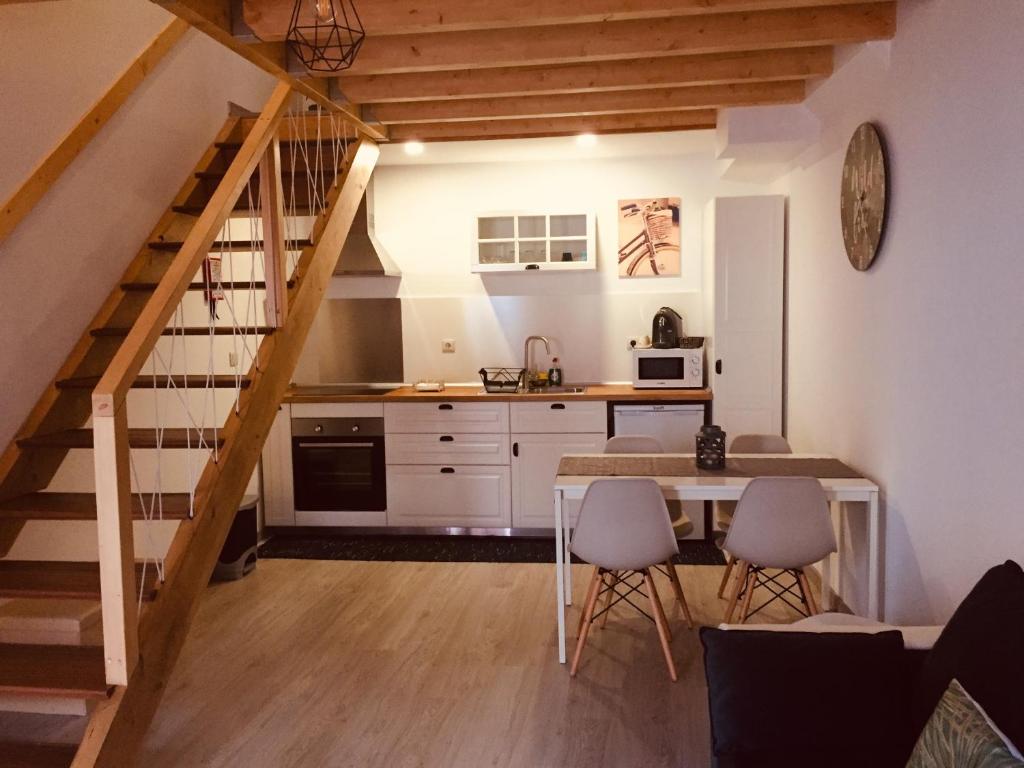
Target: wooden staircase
124, 679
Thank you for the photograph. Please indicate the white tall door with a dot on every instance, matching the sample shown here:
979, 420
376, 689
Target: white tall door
747, 238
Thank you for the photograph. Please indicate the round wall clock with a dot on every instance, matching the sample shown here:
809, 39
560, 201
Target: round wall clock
863, 197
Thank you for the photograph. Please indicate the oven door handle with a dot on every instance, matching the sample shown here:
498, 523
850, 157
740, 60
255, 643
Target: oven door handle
336, 445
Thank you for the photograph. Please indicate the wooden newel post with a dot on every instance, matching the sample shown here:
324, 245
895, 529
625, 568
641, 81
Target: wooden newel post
119, 592
274, 257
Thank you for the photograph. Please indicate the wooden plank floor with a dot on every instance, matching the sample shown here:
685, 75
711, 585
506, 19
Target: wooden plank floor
312, 663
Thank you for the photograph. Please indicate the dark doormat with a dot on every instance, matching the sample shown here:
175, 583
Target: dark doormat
445, 549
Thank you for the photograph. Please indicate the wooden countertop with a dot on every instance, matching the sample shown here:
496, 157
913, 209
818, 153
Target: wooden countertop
616, 392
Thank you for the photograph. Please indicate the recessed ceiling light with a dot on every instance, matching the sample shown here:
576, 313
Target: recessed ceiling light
586, 140
414, 148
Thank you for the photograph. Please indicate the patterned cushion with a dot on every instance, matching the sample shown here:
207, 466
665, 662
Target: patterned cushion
958, 734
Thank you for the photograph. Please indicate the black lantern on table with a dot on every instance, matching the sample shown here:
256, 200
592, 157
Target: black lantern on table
711, 447
325, 34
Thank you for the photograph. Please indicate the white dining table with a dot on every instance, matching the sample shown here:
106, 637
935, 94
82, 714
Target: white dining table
707, 486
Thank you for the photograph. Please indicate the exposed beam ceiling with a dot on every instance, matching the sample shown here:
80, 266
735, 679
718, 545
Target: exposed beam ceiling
269, 19
469, 69
604, 41
668, 71
607, 102
682, 120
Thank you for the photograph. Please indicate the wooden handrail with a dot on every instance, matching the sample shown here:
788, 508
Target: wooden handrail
43, 176
109, 394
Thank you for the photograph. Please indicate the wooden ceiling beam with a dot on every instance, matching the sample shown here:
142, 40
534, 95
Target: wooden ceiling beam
213, 18
664, 72
269, 19
560, 44
683, 120
606, 102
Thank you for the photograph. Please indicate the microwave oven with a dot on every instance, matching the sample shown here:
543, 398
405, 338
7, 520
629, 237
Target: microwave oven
676, 368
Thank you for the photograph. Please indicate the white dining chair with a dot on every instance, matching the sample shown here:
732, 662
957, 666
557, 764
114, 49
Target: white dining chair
624, 530
681, 523
724, 510
781, 524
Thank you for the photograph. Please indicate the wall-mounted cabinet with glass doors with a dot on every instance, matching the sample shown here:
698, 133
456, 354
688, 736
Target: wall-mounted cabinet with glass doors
518, 242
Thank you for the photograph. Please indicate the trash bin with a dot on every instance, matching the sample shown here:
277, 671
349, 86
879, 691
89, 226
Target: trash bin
238, 556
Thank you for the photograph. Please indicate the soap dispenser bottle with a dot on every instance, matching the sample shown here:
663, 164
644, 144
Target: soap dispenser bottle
555, 373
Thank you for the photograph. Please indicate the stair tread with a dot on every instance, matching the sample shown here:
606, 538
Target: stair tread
242, 207
44, 505
24, 755
200, 330
259, 285
285, 142
226, 245
60, 580
138, 437
72, 671
196, 381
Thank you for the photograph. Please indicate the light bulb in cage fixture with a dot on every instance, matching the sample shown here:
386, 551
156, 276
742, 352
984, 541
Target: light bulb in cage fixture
323, 11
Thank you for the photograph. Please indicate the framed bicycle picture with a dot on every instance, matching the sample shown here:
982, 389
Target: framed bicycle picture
649, 237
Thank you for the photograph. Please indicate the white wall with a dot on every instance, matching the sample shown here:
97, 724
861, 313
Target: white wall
913, 371
425, 219
57, 267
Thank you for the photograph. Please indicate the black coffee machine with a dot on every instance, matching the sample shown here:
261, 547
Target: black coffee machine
667, 329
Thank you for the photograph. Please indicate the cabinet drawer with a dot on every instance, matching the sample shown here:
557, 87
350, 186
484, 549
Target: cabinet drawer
450, 495
560, 416
421, 448
446, 418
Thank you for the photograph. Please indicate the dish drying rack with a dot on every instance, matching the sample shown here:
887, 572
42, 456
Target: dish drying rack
498, 380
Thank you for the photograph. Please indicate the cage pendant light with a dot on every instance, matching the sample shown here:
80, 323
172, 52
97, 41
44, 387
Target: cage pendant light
325, 34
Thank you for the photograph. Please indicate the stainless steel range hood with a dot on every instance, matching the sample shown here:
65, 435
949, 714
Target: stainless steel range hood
363, 255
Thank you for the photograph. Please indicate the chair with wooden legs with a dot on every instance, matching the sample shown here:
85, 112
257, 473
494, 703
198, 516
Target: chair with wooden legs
724, 510
681, 523
623, 531
781, 524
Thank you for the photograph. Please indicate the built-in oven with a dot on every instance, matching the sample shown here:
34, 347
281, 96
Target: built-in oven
338, 464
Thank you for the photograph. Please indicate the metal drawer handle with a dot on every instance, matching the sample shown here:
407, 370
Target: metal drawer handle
335, 445
444, 407
446, 439
558, 406
447, 470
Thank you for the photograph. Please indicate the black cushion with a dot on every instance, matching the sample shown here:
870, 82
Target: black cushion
982, 646
807, 699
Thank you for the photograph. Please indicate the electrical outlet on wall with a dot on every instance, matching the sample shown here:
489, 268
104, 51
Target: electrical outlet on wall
448, 346
233, 359
637, 342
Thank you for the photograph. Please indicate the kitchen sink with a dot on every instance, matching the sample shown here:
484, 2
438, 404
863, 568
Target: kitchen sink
566, 390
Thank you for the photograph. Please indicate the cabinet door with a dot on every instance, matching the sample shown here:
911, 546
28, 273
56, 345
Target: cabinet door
278, 496
458, 496
534, 466
748, 238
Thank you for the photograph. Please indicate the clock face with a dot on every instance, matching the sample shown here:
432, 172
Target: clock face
863, 197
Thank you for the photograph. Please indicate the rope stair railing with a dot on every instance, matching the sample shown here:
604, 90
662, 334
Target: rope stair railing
183, 367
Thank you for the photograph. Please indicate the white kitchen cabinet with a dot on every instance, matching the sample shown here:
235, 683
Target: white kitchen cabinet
446, 417
449, 496
535, 459
561, 416
543, 242
278, 495
744, 271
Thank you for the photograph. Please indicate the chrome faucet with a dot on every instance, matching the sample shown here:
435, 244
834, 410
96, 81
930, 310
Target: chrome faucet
526, 356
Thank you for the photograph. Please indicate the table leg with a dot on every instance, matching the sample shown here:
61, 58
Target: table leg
826, 565
559, 577
874, 560
567, 556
